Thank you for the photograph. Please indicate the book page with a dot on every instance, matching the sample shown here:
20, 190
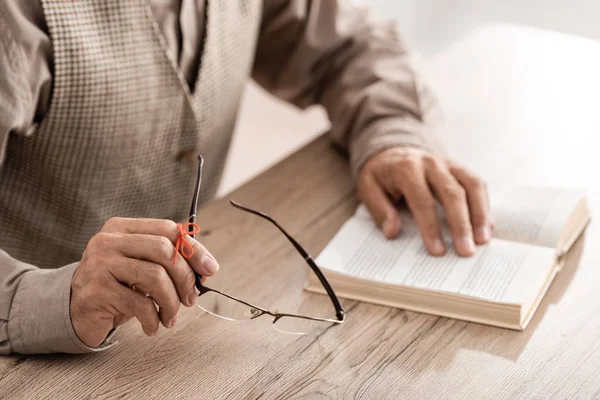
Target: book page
535, 215
502, 271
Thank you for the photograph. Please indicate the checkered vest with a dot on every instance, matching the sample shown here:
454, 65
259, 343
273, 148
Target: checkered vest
123, 129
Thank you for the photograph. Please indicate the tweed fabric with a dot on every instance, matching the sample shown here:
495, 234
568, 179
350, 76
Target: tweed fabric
122, 128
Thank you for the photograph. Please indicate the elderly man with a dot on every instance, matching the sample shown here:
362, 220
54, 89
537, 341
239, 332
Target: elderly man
103, 105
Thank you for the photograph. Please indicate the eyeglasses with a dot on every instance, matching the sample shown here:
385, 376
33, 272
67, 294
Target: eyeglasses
230, 308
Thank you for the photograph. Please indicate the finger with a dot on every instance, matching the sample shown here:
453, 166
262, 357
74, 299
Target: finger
203, 262
382, 210
422, 204
453, 198
147, 226
479, 204
133, 304
159, 250
150, 278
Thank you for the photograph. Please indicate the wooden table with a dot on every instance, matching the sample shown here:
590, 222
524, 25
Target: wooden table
521, 105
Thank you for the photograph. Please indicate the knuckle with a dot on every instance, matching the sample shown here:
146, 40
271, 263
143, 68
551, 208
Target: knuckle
406, 181
157, 274
424, 204
96, 259
165, 227
430, 160
454, 193
88, 255
408, 164
94, 243
410, 179
169, 226
92, 271
137, 272
111, 223
165, 247
91, 292
469, 179
476, 184
100, 241
453, 166
189, 280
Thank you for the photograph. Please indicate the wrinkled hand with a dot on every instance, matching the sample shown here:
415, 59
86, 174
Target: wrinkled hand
421, 177
126, 271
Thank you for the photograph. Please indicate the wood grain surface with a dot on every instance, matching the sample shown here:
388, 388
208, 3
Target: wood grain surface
379, 353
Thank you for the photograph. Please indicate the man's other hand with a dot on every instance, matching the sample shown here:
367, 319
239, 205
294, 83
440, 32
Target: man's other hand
421, 177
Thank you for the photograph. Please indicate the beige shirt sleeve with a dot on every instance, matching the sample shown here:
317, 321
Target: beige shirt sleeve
335, 53
34, 310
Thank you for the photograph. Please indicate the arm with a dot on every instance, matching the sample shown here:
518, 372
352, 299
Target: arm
34, 303
74, 309
334, 53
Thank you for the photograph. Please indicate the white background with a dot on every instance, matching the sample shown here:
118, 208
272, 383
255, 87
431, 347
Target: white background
268, 130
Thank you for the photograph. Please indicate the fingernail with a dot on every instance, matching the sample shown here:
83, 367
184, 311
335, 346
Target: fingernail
482, 234
465, 245
210, 264
438, 247
173, 322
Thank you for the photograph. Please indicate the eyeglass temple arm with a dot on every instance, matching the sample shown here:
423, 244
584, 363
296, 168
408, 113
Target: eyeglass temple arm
194, 208
196, 192
338, 307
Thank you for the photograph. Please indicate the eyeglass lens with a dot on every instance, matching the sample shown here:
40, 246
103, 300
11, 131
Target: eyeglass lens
231, 310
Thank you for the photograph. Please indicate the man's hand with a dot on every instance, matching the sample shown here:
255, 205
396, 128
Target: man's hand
420, 178
126, 271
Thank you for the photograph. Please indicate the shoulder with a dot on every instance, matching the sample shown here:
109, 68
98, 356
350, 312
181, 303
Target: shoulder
22, 21
25, 59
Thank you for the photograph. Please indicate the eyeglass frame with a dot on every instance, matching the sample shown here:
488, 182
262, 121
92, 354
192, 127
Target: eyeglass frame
339, 311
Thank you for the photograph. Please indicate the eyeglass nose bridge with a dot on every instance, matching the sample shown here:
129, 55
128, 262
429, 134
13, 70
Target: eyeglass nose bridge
274, 314
253, 312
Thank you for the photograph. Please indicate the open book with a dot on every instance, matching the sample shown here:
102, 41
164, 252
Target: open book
501, 285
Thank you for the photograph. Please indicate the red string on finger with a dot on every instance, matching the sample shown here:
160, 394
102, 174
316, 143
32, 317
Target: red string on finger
183, 246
